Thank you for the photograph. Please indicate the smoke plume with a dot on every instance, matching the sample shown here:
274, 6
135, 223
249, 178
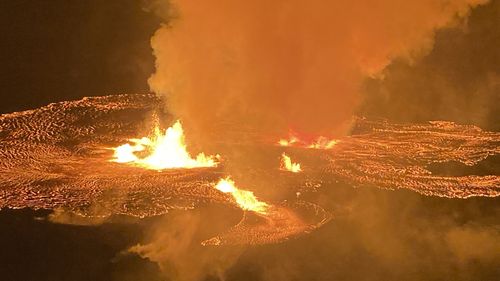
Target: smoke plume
174, 244
459, 80
280, 65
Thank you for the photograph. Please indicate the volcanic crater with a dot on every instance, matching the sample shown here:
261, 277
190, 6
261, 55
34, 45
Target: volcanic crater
58, 157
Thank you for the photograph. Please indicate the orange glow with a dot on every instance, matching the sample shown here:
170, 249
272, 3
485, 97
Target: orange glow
319, 143
288, 165
245, 199
288, 142
323, 143
164, 151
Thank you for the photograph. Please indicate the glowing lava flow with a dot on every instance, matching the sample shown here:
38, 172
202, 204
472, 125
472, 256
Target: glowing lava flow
292, 140
288, 165
245, 199
323, 143
319, 143
167, 151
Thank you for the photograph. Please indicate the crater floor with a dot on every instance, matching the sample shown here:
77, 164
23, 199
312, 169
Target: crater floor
57, 157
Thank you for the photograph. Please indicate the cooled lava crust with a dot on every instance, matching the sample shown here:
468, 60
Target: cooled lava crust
57, 157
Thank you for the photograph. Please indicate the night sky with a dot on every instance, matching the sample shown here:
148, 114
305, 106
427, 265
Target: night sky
62, 50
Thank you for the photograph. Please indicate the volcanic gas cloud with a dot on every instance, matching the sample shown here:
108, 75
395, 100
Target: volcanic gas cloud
276, 65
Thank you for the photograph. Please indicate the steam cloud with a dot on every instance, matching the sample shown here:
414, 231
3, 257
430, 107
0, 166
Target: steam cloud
276, 65
280, 65
174, 244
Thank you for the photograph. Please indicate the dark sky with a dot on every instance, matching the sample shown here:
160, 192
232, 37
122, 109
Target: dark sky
67, 49
458, 81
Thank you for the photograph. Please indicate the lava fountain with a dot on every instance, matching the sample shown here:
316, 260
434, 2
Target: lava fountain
245, 199
288, 165
163, 151
318, 143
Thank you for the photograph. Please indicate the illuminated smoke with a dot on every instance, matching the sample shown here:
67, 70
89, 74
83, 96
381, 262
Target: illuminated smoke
276, 65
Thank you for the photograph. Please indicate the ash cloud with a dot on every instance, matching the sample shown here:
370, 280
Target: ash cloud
283, 65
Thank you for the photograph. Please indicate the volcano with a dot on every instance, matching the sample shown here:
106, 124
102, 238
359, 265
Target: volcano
58, 157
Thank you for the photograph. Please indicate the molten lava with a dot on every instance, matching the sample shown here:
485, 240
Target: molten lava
323, 143
288, 165
319, 143
162, 151
292, 140
245, 199
42, 166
